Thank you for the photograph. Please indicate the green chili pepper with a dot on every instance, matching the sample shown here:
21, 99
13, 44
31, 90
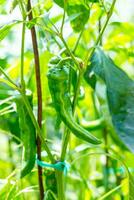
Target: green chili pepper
58, 80
28, 134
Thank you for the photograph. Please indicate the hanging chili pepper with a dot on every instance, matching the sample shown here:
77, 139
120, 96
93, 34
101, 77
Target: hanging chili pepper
58, 80
28, 134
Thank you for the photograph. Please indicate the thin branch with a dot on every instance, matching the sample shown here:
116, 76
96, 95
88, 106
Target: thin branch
7, 77
99, 30
63, 19
89, 54
102, 3
78, 40
111, 192
22, 57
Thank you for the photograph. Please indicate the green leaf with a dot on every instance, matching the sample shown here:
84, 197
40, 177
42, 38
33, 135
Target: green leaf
83, 12
8, 187
4, 30
72, 17
5, 91
59, 3
120, 95
30, 189
48, 4
14, 3
90, 77
78, 12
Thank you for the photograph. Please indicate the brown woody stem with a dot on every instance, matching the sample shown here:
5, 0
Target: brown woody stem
39, 96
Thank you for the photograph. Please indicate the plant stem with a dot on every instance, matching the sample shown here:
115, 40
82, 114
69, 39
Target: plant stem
109, 14
60, 184
106, 175
65, 143
77, 90
8, 79
22, 57
63, 19
78, 40
11, 153
39, 98
99, 30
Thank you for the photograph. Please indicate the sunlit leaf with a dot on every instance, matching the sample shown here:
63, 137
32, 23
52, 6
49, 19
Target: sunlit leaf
29, 189
78, 12
14, 3
59, 2
48, 4
9, 187
4, 30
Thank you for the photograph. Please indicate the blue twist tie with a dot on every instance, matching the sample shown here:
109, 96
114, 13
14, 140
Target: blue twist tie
61, 166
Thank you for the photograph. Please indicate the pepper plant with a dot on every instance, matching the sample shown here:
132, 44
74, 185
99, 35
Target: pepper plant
66, 108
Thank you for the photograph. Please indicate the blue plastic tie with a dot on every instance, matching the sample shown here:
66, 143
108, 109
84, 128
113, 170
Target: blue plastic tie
61, 166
